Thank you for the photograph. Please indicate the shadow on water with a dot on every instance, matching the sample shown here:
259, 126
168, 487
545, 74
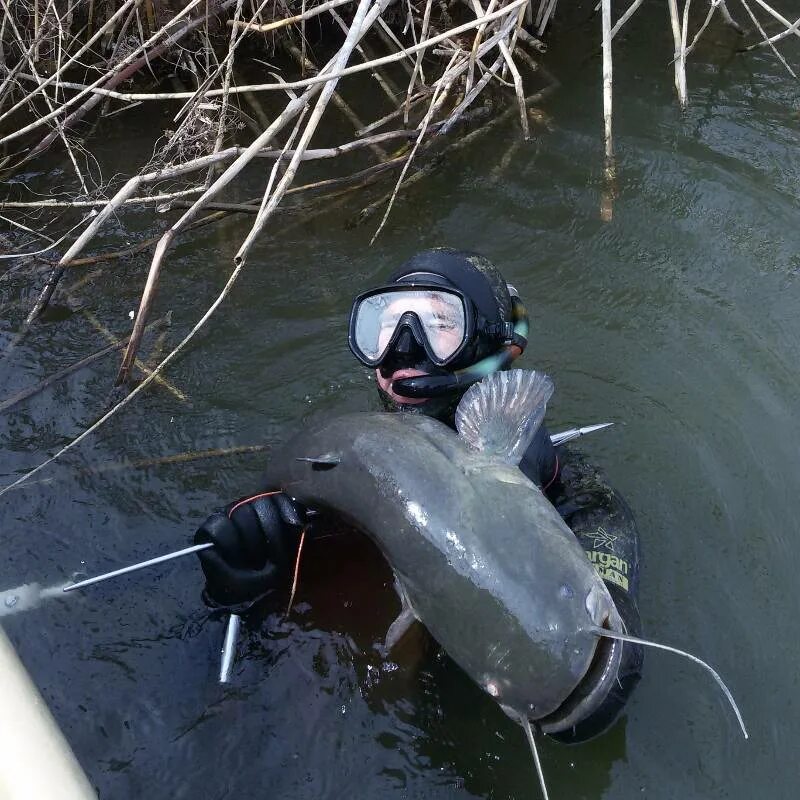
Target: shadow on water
678, 321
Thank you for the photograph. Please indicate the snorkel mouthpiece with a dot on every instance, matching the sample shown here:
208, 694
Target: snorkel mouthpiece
440, 385
424, 386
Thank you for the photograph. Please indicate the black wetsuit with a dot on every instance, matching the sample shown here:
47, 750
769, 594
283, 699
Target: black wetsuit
605, 527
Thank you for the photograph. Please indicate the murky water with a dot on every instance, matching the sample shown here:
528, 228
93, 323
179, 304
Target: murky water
678, 320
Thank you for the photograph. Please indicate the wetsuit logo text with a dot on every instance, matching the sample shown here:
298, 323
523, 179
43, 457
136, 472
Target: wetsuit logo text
610, 567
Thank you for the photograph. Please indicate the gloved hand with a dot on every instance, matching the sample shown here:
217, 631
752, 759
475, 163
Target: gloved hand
255, 543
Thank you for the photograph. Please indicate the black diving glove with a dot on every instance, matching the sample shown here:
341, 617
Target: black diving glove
255, 542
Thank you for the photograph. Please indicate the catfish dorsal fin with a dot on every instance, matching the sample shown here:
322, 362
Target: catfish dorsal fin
501, 414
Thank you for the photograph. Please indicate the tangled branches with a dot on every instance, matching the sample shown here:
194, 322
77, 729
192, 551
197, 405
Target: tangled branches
65, 64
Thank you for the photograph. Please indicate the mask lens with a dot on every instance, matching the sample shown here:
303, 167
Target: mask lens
368, 322
445, 325
441, 316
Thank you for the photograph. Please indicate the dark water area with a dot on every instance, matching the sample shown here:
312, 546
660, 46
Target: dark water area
678, 321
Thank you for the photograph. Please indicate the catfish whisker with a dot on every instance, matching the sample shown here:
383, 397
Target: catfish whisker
532, 742
624, 637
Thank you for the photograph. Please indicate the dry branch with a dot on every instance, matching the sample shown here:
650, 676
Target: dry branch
282, 86
309, 13
481, 53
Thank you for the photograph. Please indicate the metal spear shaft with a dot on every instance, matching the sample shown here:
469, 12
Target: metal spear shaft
556, 438
574, 433
229, 648
141, 565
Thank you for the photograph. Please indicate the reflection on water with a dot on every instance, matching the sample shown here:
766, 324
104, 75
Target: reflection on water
678, 321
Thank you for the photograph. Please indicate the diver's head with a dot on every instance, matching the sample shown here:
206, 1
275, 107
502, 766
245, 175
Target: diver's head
444, 320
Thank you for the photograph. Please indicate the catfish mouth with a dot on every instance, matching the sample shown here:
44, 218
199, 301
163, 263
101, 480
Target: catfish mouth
594, 686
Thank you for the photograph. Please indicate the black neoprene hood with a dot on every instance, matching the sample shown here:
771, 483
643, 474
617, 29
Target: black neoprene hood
472, 273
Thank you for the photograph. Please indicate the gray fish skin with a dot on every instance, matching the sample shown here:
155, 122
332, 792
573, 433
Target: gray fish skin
483, 559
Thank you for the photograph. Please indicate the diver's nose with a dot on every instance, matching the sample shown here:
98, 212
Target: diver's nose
406, 342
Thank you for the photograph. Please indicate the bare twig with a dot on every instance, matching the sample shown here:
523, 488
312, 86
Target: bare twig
99, 203
632, 9
418, 63
251, 27
226, 86
712, 7
764, 34
523, 114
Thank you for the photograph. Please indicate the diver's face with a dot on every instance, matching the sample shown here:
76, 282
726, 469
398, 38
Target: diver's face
408, 358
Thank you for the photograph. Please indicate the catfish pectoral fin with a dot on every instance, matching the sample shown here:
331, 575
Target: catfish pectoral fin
399, 628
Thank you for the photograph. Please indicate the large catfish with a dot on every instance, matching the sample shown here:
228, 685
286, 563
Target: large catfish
480, 556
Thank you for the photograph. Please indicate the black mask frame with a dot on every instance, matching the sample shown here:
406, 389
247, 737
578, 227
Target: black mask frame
411, 322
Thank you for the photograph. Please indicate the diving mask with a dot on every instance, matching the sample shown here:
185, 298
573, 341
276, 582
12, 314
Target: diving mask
440, 319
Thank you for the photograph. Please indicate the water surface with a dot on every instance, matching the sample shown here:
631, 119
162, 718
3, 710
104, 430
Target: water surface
677, 321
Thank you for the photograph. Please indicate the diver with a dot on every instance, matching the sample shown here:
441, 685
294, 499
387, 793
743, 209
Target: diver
442, 321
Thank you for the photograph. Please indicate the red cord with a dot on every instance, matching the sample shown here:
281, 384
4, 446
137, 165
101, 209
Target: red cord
555, 475
296, 569
250, 500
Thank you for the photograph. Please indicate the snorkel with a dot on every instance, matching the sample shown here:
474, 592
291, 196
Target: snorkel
424, 386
